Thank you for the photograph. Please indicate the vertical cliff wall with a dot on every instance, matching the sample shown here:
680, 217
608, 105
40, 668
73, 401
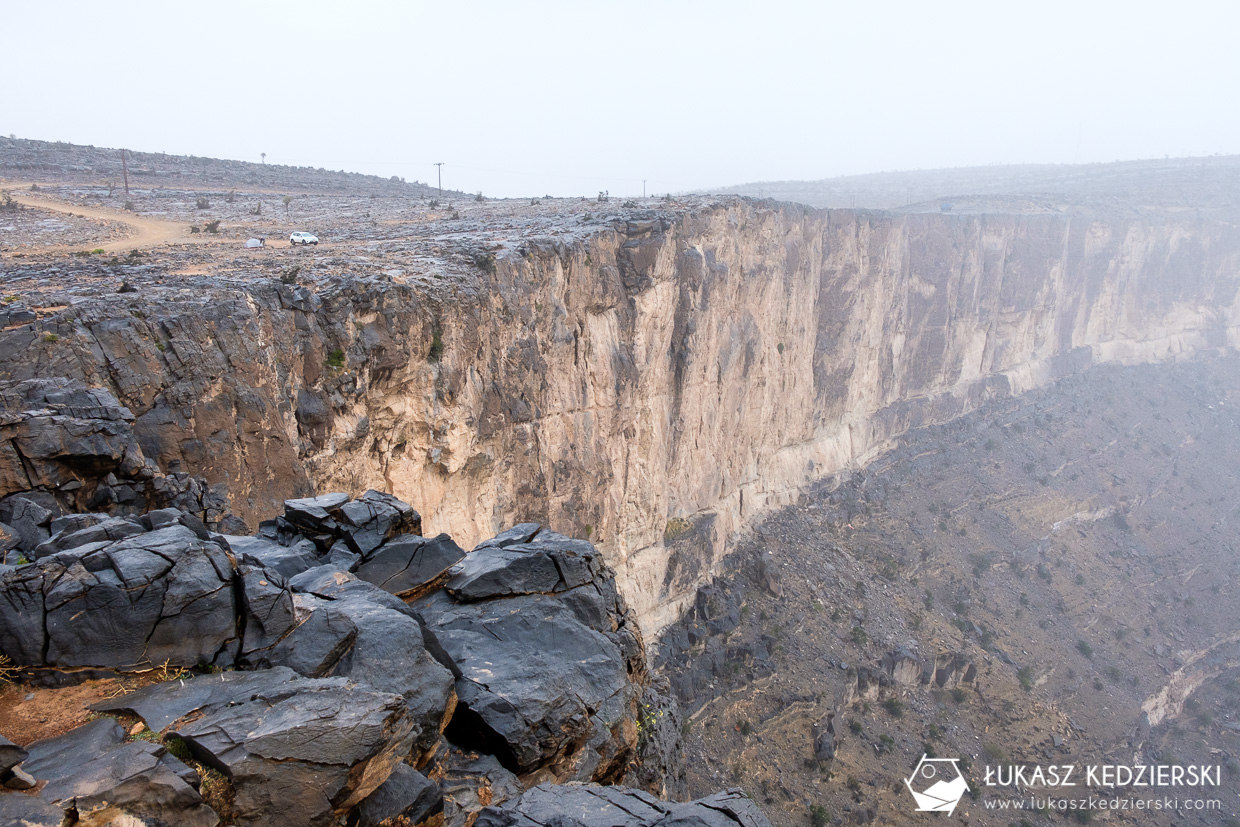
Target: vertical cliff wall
653, 385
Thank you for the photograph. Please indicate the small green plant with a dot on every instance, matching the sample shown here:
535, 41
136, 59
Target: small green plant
1085, 649
1025, 676
436, 352
780, 347
855, 727
818, 816
744, 727
894, 707
161, 347
858, 636
178, 748
335, 359
51, 338
959, 695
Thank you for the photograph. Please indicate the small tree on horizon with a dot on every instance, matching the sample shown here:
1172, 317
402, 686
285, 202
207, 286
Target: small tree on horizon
288, 199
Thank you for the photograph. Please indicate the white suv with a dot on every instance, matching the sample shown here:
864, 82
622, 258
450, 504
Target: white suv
303, 238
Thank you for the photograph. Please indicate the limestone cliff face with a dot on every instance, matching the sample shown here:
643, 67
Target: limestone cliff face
653, 386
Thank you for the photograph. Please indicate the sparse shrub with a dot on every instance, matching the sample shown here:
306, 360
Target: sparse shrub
675, 527
202, 204
7, 671
818, 816
780, 348
194, 228
479, 197
894, 707
1025, 676
436, 351
959, 695
51, 338
232, 197
126, 287
129, 206
335, 359
1085, 649
858, 636
485, 262
744, 727
212, 227
855, 727
7, 202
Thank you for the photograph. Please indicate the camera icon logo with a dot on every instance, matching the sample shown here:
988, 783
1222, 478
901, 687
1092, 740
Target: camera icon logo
937, 784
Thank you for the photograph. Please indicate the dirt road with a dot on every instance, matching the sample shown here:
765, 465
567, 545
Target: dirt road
147, 232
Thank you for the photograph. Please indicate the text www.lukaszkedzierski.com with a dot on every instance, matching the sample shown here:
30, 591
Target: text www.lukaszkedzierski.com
1102, 803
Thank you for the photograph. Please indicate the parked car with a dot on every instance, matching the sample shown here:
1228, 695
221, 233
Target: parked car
303, 238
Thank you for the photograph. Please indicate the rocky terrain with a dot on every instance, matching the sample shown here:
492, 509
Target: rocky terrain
980, 431
632, 373
27, 160
1046, 580
336, 667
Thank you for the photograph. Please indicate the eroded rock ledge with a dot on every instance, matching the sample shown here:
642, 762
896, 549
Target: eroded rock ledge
336, 667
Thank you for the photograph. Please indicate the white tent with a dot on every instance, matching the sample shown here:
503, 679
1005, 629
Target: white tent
256, 242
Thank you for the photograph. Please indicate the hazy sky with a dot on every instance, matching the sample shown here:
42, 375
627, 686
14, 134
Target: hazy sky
568, 98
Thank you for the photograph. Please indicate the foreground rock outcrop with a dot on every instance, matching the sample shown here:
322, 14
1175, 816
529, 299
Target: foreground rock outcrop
320, 693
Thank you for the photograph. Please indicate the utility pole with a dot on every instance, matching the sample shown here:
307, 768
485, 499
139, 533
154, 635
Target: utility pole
440, 166
125, 170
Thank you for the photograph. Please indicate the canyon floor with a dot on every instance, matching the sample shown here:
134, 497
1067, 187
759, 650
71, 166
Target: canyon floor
1077, 545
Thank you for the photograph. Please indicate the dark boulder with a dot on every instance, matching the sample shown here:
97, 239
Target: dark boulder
162, 596
407, 793
92, 772
10, 755
548, 683
547, 564
825, 739
302, 753
409, 564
